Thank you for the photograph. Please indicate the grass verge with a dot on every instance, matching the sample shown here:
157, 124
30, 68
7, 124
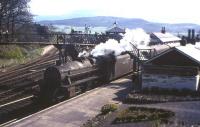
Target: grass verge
15, 54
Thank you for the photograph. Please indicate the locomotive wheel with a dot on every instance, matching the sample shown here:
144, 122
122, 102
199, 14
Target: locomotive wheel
58, 95
90, 85
84, 87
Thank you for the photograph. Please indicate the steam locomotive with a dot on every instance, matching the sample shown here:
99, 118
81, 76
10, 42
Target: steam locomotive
77, 76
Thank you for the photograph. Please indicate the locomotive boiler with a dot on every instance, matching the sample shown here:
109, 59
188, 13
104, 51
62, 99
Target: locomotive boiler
74, 77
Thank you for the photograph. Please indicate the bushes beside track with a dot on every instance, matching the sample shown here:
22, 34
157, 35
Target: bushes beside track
15, 54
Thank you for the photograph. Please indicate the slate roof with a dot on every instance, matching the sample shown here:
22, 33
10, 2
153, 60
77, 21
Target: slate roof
115, 30
165, 37
190, 51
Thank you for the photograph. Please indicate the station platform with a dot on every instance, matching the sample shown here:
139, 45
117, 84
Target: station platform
76, 111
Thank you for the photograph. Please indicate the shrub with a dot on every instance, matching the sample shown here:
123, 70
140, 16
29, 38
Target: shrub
108, 108
138, 114
11, 52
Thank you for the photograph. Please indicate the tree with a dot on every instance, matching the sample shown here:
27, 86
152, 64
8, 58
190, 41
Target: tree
13, 13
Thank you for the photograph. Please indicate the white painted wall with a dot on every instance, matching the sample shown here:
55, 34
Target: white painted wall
170, 81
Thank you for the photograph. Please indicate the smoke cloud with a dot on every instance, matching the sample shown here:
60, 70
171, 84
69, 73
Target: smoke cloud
137, 37
110, 46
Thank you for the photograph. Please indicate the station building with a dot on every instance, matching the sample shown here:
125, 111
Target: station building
163, 37
115, 32
175, 68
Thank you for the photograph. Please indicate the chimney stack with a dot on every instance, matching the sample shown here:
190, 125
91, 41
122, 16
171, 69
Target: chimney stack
189, 34
193, 33
183, 41
193, 37
163, 30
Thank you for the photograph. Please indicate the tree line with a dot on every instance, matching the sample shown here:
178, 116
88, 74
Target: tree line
14, 13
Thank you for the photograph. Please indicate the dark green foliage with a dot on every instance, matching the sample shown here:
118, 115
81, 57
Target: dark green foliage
13, 13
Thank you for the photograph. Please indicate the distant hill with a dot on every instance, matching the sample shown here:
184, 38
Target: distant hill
107, 21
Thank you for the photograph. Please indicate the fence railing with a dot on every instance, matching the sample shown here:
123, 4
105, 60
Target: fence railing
144, 54
53, 38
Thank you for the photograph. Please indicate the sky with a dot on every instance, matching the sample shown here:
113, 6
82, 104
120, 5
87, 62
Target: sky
164, 11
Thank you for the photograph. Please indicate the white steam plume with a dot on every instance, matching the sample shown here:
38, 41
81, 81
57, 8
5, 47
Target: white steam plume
106, 48
137, 37
84, 53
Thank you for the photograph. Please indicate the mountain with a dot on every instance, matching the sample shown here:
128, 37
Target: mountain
107, 21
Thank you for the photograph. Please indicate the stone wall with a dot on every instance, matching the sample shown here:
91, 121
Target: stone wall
170, 81
170, 77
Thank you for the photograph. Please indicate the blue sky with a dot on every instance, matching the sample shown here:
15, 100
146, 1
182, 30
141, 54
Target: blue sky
166, 11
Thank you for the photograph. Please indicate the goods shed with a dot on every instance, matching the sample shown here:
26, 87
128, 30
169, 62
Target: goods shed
176, 68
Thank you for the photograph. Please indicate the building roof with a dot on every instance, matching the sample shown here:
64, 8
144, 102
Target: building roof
115, 30
165, 37
163, 47
190, 51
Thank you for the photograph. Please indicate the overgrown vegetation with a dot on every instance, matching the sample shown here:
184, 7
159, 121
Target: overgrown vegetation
138, 114
106, 111
15, 54
108, 108
129, 115
8, 53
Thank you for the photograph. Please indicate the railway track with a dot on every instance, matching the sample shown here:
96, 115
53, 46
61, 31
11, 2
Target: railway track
28, 66
15, 109
17, 84
20, 80
43, 58
25, 106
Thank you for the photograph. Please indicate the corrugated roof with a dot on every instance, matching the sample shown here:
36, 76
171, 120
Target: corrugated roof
190, 51
116, 30
197, 45
166, 37
163, 47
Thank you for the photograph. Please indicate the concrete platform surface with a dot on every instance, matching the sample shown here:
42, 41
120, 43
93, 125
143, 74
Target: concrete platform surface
77, 111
